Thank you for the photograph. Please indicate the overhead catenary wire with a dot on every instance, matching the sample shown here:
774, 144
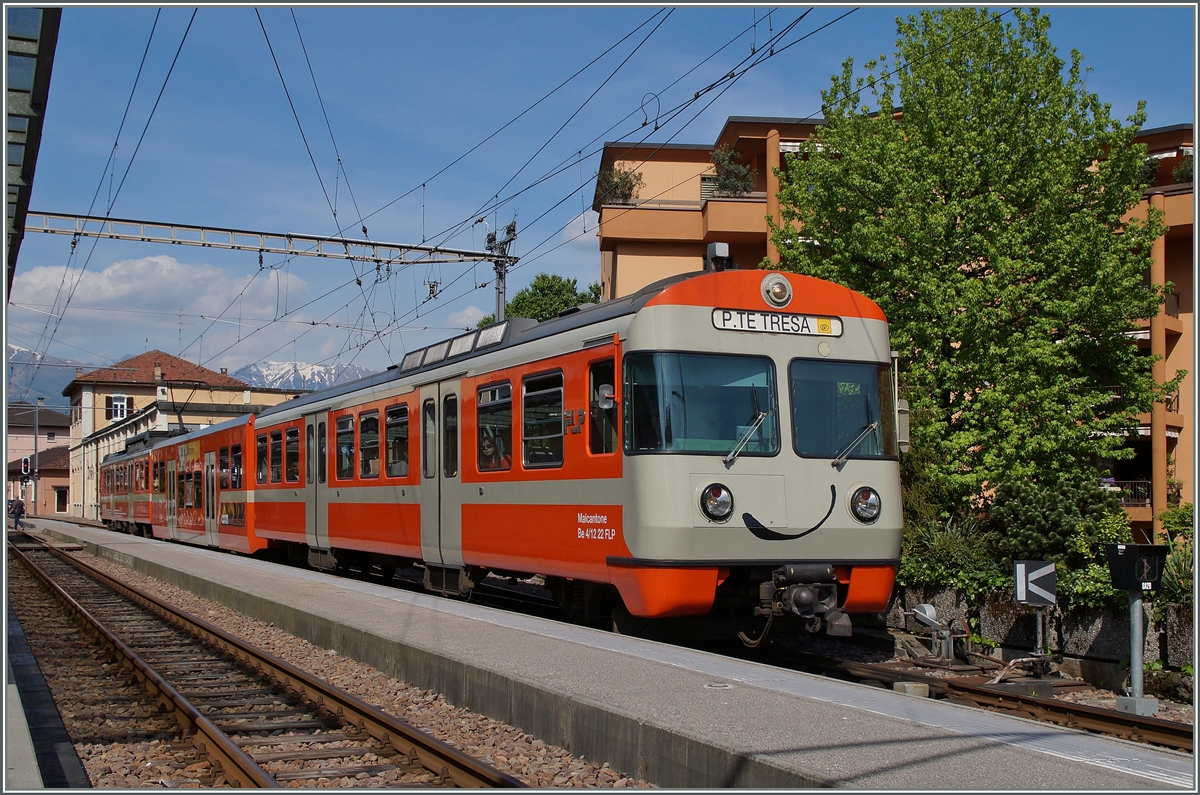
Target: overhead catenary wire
415, 310
128, 168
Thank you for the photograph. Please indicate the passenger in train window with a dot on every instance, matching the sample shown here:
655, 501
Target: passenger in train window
491, 457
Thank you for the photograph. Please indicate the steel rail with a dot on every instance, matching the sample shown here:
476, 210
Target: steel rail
1177, 736
235, 764
464, 770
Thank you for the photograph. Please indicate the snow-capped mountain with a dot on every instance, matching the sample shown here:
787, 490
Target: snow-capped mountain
298, 375
27, 381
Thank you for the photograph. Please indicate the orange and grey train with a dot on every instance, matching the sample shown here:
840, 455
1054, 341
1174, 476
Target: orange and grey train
721, 445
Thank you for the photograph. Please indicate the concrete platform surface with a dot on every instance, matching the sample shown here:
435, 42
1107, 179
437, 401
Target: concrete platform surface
675, 717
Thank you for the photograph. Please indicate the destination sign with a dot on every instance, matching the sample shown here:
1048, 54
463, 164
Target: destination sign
776, 322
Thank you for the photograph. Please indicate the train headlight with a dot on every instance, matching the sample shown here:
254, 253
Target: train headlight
777, 290
716, 501
865, 505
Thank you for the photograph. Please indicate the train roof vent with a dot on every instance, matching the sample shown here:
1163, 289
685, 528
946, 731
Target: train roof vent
492, 335
461, 345
573, 309
435, 353
412, 361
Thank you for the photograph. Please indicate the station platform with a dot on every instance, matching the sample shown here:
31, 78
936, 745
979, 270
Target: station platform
674, 717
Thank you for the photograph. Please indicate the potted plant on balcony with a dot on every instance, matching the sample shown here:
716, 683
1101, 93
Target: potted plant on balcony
619, 185
1183, 172
734, 178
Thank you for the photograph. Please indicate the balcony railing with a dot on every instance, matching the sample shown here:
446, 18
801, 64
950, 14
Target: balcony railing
1133, 493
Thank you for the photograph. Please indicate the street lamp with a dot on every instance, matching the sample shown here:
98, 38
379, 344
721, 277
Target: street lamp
41, 404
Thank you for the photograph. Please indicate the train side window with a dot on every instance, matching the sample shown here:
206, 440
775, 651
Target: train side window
345, 448
235, 466
396, 428
292, 455
322, 452
542, 415
494, 423
154, 477
368, 444
602, 426
198, 487
429, 451
260, 468
450, 436
185, 488
310, 459
223, 463
276, 456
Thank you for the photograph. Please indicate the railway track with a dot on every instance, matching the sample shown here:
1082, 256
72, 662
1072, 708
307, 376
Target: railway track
261, 721
966, 691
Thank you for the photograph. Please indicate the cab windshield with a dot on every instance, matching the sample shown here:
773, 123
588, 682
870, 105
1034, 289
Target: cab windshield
700, 403
834, 402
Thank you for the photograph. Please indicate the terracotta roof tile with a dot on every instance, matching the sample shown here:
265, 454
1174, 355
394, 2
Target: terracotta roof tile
140, 370
53, 458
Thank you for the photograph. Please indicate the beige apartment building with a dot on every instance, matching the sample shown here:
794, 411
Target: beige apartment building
666, 229
144, 396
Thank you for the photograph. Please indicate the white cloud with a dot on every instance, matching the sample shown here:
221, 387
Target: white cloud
158, 302
580, 233
466, 318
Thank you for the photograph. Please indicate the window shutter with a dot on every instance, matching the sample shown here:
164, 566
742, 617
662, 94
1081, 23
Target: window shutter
108, 407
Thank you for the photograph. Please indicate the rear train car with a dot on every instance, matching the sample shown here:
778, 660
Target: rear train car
721, 445
201, 494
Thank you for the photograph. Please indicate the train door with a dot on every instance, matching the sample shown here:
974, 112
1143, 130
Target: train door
441, 514
172, 521
210, 499
316, 494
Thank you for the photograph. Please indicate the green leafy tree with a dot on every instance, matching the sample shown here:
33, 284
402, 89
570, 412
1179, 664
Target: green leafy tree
545, 297
987, 220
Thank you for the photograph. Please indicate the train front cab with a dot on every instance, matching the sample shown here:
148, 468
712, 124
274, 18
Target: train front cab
761, 459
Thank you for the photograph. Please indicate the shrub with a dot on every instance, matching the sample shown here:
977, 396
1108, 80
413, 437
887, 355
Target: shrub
1149, 175
1178, 576
958, 552
733, 177
619, 185
1044, 521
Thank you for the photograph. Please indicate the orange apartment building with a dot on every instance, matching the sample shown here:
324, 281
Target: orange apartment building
666, 229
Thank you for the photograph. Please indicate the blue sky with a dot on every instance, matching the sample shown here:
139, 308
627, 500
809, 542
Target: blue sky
407, 91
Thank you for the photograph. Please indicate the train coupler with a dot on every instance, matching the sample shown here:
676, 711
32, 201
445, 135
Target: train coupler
809, 591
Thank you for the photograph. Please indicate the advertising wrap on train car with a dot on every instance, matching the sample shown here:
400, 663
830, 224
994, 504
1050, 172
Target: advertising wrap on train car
776, 322
189, 453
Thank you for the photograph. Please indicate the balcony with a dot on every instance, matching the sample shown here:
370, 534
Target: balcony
1133, 493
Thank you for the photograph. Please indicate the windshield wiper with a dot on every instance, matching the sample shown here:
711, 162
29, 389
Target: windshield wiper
733, 454
844, 456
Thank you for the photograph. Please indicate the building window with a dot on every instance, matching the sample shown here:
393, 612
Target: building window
117, 407
50, 436
397, 441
